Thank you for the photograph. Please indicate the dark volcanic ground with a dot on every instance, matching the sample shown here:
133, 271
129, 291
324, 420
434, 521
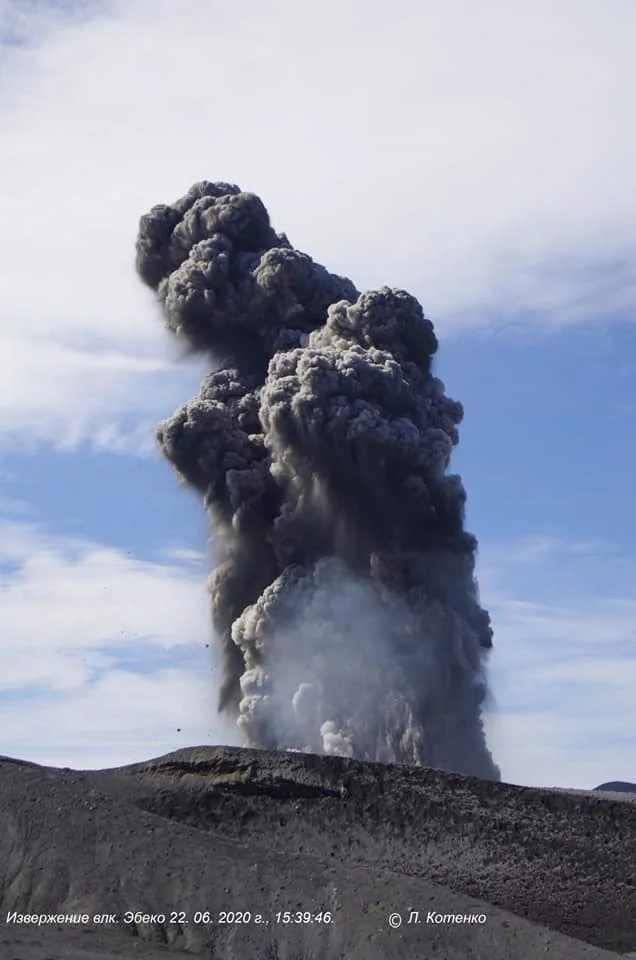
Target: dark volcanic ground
214, 829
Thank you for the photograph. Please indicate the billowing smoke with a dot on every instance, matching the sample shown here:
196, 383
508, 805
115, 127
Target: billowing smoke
345, 598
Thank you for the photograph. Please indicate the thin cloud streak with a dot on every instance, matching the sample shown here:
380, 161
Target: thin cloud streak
562, 675
104, 655
120, 718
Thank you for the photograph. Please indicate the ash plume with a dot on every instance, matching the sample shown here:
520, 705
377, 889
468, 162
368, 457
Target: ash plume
345, 598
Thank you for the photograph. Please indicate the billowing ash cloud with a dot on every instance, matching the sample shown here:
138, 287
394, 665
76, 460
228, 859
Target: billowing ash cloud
345, 597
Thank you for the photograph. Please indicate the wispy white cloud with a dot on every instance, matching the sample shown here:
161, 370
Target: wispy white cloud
552, 748
122, 717
183, 555
612, 672
13, 505
477, 157
84, 596
63, 396
563, 676
103, 655
533, 549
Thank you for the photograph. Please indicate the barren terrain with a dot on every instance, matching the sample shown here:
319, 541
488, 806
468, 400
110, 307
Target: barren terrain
212, 829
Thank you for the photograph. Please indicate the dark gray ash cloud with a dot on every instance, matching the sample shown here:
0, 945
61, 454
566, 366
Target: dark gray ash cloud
345, 598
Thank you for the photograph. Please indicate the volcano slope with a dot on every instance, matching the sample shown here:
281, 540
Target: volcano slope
214, 829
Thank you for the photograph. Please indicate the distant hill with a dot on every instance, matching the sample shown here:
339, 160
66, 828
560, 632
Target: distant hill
618, 786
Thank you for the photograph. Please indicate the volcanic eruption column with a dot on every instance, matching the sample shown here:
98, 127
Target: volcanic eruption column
345, 598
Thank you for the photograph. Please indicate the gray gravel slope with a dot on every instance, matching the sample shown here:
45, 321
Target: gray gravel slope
212, 829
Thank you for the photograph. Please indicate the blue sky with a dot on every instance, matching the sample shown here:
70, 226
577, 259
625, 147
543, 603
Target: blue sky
424, 151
